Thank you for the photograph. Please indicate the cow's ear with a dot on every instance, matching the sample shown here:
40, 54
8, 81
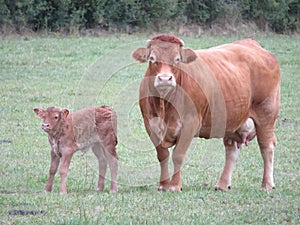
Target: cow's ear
140, 54
188, 55
65, 113
39, 112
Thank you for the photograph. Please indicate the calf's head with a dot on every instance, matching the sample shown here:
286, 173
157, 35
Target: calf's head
52, 117
164, 53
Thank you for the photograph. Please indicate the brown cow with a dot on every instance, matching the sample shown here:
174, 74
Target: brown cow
68, 133
209, 94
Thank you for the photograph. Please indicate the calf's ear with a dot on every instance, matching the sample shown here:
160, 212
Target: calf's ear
39, 112
188, 55
140, 54
65, 113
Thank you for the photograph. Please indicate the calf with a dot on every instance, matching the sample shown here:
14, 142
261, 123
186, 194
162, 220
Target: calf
67, 133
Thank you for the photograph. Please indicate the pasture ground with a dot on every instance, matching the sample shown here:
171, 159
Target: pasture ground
77, 72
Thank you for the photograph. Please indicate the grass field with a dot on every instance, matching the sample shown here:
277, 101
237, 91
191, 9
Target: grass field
78, 72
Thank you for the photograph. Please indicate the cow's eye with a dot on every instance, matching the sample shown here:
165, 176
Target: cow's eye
177, 60
55, 117
152, 58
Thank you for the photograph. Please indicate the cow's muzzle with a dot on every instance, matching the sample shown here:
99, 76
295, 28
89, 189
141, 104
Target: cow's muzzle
164, 81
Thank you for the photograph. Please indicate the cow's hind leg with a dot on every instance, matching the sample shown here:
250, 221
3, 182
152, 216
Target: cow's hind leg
264, 116
97, 150
232, 153
267, 142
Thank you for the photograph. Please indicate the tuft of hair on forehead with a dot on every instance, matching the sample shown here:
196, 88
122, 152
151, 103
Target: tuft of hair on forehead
168, 38
52, 109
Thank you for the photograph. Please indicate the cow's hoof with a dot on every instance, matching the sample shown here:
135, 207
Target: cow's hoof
175, 188
162, 188
222, 188
267, 187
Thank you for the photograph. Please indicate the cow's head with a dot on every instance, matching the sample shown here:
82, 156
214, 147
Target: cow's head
164, 53
52, 118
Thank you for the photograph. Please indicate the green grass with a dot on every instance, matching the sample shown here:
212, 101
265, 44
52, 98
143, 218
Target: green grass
78, 72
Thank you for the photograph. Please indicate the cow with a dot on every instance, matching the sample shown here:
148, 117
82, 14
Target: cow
209, 93
94, 127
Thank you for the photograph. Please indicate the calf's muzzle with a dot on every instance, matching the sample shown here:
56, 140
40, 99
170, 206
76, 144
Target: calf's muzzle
46, 127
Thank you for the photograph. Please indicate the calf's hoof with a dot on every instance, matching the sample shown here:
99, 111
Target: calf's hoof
48, 189
113, 188
100, 189
113, 191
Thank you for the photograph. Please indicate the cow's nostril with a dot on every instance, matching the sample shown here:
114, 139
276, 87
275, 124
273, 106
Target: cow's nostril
165, 77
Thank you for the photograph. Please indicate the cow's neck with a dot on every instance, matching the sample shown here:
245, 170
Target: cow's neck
165, 100
162, 108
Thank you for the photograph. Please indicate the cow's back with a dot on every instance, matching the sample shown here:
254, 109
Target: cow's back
243, 64
246, 74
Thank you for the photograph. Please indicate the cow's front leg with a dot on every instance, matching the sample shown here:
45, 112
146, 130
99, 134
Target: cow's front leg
163, 158
64, 168
178, 158
52, 171
232, 153
176, 185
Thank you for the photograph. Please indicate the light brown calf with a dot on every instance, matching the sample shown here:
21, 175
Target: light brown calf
70, 132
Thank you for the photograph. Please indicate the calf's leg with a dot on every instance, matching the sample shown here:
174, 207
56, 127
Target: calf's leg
102, 166
232, 153
64, 168
112, 159
52, 171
